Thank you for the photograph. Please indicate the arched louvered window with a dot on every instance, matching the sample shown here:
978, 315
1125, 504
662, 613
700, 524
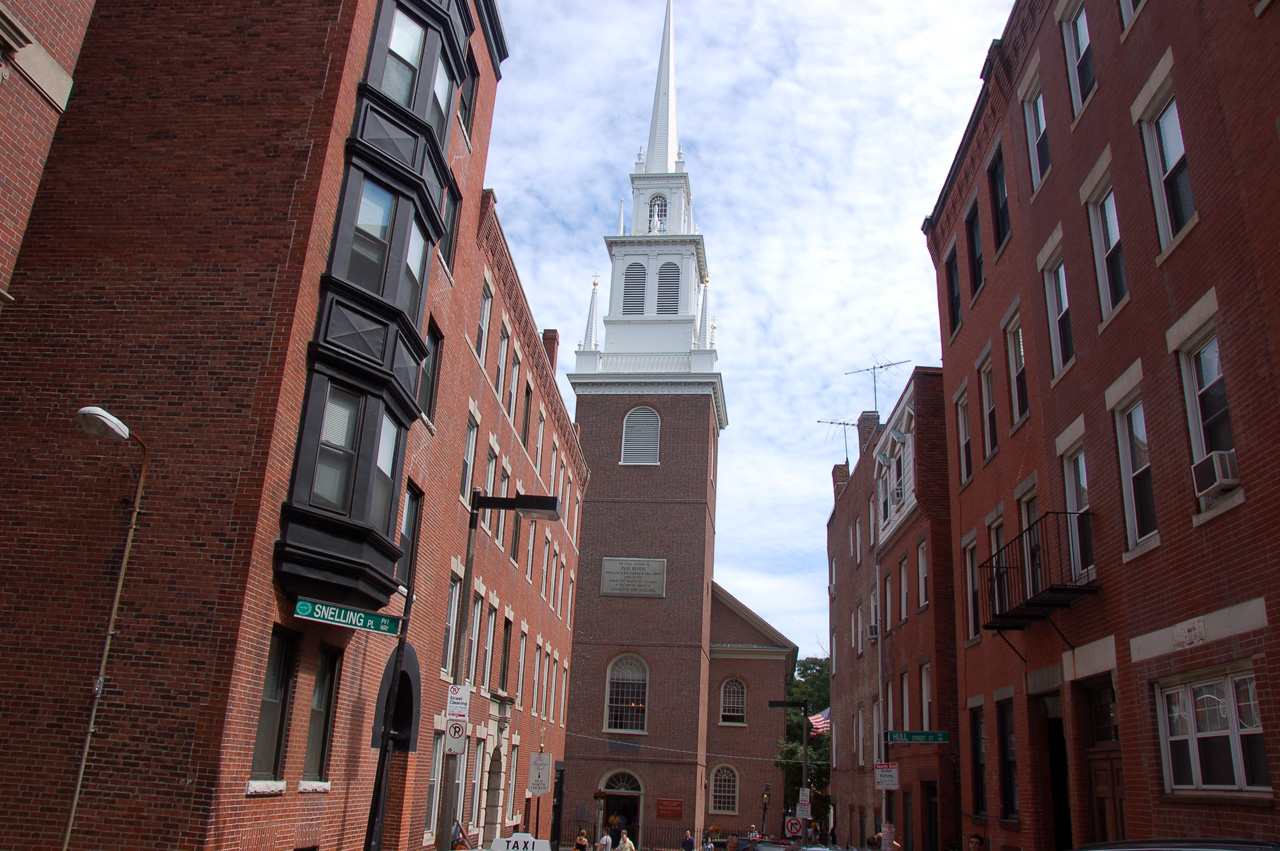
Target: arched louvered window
724, 790
633, 280
733, 702
628, 692
658, 214
640, 432
669, 288
623, 783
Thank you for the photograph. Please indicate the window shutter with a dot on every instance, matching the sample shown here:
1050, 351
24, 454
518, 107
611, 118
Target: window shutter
640, 431
669, 288
633, 281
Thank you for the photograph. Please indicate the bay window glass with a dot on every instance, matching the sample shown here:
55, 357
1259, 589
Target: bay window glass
336, 460
404, 55
371, 240
441, 93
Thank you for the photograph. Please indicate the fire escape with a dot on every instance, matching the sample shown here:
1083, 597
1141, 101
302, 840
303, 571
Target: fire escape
1043, 570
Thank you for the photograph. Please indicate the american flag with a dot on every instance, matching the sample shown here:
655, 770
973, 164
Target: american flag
822, 721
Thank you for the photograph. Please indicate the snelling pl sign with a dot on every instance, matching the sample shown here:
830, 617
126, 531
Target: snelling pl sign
315, 610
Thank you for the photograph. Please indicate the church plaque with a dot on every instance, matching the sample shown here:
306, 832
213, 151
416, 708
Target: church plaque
634, 577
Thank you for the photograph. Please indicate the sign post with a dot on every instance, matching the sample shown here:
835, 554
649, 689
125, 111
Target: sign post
539, 780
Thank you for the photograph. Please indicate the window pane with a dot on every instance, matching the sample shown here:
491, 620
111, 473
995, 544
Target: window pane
406, 39
1216, 768
1170, 133
1180, 762
341, 413
369, 242
383, 500
1176, 713
415, 256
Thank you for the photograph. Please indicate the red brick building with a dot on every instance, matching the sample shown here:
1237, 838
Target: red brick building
892, 622
1106, 265
39, 44
262, 241
669, 725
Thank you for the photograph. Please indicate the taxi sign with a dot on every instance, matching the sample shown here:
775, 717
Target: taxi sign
519, 842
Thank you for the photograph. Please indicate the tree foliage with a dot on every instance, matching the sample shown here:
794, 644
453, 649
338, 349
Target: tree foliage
812, 684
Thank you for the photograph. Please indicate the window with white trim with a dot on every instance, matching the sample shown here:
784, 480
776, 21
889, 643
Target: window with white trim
641, 430
1135, 471
1075, 32
904, 587
433, 780
857, 628
888, 601
971, 579
500, 376
973, 233
499, 535
733, 702
926, 698
1107, 252
1210, 414
512, 766
482, 327
628, 691
524, 646
857, 537
477, 772
990, 430
1081, 530
450, 624
724, 790
537, 679
1128, 8
1037, 136
922, 573
658, 214
1170, 177
490, 471
962, 432
1211, 735
1018, 394
862, 755
906, 700
1060, 339
468, 459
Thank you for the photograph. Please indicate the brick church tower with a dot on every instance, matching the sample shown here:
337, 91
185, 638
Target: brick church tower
650, 408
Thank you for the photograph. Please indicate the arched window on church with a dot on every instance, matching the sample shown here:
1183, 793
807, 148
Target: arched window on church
733, 702
640, 433
633, 280
658, 214
669, 288
628, 692
724, 790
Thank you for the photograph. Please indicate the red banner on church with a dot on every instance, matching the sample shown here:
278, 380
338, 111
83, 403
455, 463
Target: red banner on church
670, 808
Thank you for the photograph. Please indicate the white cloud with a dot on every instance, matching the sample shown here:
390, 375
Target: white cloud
817, 135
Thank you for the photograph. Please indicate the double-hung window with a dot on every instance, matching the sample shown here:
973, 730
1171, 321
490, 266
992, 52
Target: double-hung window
990, 432
1008, 742
978, 760
1135, 465
403, 60
922, 573
355, 431
482, 328
430, 376
973, 231
320, 729
503, 487
1060, 339
1210, 413
500, 376
1018, 393
383, 226
490, 471
904, 587
1075, 32
975, 591
441, 98
514, 390
1211, 735
1077, 486
273, 710
1000, 221
1037, 137
962, 432
450, 625
468, 459
952, 267
1171, 180
1108, 252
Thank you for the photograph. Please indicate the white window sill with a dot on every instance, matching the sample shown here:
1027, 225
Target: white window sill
1129, 26
1221, 506
1066, 366
1036, 194
639, 464
1102, 326
444, 267
1026, 415
314, 787
426, 420
1177, 240
1084, 106
265, 788
733, 723
1146, 545
626, 732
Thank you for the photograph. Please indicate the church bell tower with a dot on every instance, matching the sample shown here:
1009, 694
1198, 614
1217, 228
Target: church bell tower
650, 407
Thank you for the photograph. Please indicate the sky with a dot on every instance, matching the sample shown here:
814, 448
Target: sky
817, 135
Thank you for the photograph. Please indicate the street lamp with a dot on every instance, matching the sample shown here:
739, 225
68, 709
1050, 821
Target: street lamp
527, 505
100, 423
764, 809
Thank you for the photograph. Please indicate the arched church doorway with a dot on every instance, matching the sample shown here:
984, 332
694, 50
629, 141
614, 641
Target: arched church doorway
623, 804
493, 798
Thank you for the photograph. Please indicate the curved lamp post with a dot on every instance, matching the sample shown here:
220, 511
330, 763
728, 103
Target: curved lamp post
100, 423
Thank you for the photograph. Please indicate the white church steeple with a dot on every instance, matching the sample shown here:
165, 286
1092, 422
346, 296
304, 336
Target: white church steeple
657, 328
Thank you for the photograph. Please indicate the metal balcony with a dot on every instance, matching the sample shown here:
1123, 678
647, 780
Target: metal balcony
1043, 570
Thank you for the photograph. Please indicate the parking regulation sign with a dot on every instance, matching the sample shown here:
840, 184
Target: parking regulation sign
455, 736
887, 776
791, 826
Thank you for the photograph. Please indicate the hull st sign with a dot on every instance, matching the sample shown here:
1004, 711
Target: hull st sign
315, 610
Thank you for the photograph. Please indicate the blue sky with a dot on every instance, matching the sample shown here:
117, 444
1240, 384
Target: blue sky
817, 135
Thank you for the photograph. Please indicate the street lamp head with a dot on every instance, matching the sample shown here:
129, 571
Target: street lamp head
538, 507
101, 423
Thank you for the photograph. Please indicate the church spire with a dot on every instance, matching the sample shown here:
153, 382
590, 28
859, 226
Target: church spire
663, 143
590, 342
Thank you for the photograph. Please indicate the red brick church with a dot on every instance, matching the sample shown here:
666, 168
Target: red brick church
669, 727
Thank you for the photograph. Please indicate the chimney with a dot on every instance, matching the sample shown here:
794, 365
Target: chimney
839, 477
868, 422
551, 342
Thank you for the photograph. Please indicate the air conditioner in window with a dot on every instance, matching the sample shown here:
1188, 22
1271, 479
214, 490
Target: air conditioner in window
873, 632
1215, 472
896, 493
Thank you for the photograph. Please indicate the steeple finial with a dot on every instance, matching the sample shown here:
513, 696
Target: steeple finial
704, 323
590, 342
663, 144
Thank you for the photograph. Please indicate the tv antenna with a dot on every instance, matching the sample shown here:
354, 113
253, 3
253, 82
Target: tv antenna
873, 369
844, 426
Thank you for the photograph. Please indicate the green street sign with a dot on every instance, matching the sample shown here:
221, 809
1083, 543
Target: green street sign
315, 610
917, 737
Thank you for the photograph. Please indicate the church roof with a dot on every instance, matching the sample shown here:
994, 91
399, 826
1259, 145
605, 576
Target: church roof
664, 147
771, 638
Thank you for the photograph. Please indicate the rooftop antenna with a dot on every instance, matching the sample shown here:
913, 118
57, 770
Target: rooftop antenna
873, 369
844, 426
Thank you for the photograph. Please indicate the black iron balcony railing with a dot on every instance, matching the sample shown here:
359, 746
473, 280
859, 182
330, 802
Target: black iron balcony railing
1043, 570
